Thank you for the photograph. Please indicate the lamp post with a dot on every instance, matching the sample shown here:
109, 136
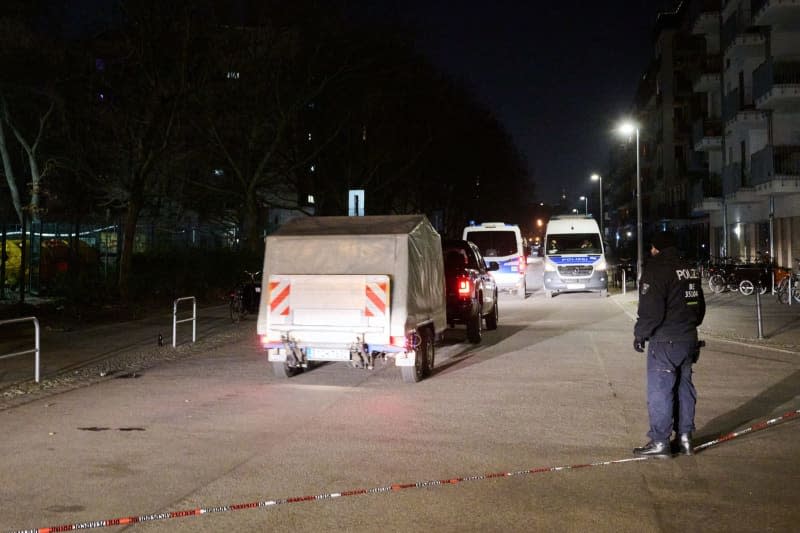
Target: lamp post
628, 128
585, 204
598, 177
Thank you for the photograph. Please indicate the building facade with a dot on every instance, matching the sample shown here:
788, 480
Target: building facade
751, 83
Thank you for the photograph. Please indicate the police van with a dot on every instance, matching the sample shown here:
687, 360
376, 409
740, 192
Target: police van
574, 256
502, 243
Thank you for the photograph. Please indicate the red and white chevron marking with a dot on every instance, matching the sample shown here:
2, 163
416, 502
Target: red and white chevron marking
377, 298
279, 291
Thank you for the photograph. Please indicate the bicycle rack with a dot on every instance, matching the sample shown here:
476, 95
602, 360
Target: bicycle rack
36, 349
193, 319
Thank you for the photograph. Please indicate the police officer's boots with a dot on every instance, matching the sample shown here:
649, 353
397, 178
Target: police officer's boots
654, 449
685, 444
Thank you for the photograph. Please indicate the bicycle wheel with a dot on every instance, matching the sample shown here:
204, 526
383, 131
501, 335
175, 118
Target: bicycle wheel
782, 291
716, 283
235, 309
746, 287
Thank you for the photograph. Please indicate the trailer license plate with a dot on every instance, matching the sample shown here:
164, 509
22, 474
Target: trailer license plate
327, 354
576, 286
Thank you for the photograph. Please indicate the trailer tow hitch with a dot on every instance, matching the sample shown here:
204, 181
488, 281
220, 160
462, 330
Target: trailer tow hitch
365, 358
294, 353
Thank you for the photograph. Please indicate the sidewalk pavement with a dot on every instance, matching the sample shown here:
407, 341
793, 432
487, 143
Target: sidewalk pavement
733, 317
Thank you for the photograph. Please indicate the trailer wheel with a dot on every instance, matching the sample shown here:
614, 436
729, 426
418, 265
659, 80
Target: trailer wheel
413, 374
282, 370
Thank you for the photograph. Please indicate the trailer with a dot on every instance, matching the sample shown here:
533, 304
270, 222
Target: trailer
360, 290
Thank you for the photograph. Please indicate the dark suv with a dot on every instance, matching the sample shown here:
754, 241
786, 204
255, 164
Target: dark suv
471, 290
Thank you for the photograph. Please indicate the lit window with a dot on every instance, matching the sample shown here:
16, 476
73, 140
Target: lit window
313, 168
310, 198
233, 75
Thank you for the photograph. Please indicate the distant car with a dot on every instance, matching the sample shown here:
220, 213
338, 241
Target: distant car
502, 243
471, 289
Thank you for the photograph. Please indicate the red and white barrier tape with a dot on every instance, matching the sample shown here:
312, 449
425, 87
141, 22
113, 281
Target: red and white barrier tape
389, 488
757, 427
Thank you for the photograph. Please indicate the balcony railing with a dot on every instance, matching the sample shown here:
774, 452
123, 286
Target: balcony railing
703, 9
740, 23
734, 177
769, 74
706, 127
772, 161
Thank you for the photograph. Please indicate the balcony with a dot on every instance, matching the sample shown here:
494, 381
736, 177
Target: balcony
769, 12
740, 37
704, 17
776, 170
706, 195
776, 85
737, 108
736, 185
709, 78
707, 134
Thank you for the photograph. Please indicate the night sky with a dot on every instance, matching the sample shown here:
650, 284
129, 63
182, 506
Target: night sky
559, 74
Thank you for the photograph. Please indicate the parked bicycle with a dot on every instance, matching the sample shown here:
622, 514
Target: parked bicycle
791, 279
245, 297
722, 276
746, 278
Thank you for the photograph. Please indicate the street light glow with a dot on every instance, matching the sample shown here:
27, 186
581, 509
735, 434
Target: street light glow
629, 128
596, 177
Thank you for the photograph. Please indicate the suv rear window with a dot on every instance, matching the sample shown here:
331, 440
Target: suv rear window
494, 243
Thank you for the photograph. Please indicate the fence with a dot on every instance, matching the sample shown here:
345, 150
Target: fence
48, 248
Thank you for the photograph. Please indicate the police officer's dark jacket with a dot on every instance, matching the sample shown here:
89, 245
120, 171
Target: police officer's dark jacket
671, 302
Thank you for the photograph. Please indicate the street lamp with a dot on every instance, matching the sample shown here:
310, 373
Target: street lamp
574, 211
585, 204
628, 128
598, 177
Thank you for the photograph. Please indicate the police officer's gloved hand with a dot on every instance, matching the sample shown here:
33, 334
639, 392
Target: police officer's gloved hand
638, 344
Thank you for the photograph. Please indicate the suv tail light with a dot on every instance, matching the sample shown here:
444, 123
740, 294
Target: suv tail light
464, 286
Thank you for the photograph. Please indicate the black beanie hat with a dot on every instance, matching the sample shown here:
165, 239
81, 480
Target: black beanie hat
664, 239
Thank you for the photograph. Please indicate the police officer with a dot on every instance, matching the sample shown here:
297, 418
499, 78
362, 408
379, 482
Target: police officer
671, 306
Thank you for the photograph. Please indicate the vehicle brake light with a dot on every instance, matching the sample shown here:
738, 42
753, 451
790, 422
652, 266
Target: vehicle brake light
522, 264
464, 286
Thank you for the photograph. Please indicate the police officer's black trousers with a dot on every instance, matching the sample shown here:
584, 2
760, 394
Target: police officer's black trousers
670, 391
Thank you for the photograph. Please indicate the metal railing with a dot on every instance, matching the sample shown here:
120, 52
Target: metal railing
36, 348
193, 318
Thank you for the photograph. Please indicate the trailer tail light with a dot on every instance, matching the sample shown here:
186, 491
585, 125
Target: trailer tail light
400, 342
464, 286
266, 341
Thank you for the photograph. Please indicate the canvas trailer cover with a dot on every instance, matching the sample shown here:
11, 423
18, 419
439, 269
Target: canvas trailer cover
406, 248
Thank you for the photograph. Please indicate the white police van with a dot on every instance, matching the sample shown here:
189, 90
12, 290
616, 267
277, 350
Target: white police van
574, 256
502, 243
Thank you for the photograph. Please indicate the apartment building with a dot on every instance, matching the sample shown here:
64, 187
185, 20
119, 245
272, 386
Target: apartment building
749, 129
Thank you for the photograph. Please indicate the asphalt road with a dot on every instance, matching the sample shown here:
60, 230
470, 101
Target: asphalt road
557, 384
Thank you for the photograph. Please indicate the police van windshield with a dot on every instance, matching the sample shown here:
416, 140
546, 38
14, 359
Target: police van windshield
574, 243
494, 243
